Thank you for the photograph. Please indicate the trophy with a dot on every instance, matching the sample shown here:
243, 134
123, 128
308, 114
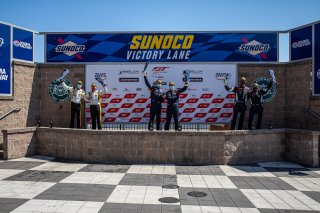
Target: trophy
145, 68
273, 77
186, 74
63, 74
101, 81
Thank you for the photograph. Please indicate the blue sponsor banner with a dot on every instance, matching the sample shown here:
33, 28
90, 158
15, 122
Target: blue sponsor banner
316, 61
301, 43
5, 60
162, 47
22, 44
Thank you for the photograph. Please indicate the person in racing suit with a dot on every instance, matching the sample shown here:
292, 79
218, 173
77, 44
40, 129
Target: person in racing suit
240, 107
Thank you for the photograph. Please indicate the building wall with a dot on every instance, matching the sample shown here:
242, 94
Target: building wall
26, 91
58, 112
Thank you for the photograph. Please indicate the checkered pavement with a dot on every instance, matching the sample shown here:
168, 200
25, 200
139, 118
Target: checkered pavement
44, 184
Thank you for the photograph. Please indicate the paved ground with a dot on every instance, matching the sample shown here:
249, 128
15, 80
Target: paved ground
42, 184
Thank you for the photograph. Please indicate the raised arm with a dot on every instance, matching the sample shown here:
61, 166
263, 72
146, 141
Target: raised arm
266, 89
229, 89
184, 88
66, 87
147, 82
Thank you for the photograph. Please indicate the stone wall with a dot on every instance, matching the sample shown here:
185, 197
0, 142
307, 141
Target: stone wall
19, 143
302, 147
25, 96
58, 112
220, 147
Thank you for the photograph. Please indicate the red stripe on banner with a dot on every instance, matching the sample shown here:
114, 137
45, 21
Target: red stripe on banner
211, 120
214, 110
243, 39
203, 105
106, 95
164, 110
130, 95
148, 106
135, 120
127, 105
183, 95
189, 110
87, 109
228, 105
192, 100
231, 95
60, 40
225, 115
116, 100
109, 119
113, 110
217, 100
141, 100
181, 105
200, 115
104, 105
207, 95
124, 115
138, 110
186, 120
146, 115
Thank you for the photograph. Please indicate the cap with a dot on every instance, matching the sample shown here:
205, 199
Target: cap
159, 81
255, 85
171, 83
79, 82
243, 79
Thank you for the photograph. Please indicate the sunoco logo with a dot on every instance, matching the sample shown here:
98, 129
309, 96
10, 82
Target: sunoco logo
254, 48
263, 82
1, 42
301, 43
57, 92
70, 48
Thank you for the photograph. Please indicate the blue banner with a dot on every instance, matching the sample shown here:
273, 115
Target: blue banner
5, 61
316, 61
301, 43
22, 44
162, 47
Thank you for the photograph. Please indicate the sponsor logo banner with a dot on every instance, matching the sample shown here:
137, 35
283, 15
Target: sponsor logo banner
162, 47
22, 45
5, 61
205, 101
316, 61
301, 43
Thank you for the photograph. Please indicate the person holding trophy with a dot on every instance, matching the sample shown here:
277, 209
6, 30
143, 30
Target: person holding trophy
77, 95
172, 96
94, 99
157, 97
240, 107
256, 100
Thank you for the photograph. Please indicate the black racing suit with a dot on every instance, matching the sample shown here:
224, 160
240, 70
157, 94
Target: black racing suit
173, 106
256, 105
241, 93
156, 103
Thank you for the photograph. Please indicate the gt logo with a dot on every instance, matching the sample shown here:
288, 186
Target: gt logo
159, 69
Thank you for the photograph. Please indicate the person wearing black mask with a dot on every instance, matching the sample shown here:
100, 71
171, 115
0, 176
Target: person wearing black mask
157, 97
240, 107
172, 95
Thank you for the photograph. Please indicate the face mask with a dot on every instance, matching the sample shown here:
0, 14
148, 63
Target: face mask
93, 89
159, 85
242, 84
171, 87
79, 86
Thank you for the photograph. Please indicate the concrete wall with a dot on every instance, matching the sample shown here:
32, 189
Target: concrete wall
25, 96
19, 143
225, 147
302, 147
58, 112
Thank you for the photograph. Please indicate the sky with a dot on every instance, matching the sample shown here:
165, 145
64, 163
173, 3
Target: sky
161, 15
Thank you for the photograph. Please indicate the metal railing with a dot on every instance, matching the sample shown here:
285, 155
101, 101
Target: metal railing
314, 113
8, 113
144, 126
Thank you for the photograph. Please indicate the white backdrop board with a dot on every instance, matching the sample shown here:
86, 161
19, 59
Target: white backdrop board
205, 101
